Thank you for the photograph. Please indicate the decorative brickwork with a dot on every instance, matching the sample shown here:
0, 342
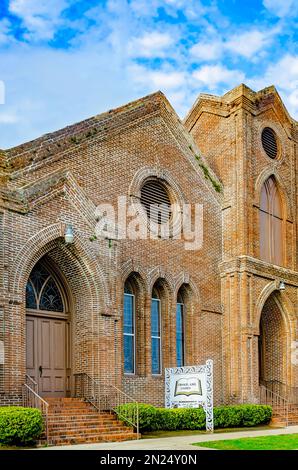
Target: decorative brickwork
228, 132
214, 159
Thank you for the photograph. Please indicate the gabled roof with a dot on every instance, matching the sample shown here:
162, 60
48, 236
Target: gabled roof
240, 96
17, 162
98, 124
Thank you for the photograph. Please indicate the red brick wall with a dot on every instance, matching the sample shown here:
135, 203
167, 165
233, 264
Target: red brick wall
60, 179
228, 131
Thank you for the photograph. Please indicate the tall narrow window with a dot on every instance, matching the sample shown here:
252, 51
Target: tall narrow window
155, 333
180, 331
271, 223
129, 329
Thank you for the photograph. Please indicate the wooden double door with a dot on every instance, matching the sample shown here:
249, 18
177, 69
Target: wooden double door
48, 354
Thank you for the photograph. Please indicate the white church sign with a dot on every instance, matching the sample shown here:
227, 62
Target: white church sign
191, 387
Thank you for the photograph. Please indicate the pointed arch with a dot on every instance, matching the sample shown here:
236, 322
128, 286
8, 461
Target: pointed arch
275, 323
133, 317
271, 223
283, 190
44, 290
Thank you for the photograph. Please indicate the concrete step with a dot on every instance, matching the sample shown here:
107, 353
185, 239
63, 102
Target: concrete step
73, 420
82, 422
79, 423
100, 427
93, 439
89, 431
72, 411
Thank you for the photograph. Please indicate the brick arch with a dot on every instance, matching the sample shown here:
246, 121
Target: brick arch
184, 278
279, 130
284, 325
285, 304
285, 307
43, 242
159, 273
276, 331
138, 281
129, 267
272, 344
85, 284
263, 176
175, 192
146, 172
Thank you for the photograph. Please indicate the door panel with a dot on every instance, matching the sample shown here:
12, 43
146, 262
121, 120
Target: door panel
31, 348
44, 333
48, 346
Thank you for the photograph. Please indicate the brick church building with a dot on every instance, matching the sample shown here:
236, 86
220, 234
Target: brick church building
81, 301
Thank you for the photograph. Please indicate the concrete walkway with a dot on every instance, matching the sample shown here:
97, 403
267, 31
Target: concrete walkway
175, 443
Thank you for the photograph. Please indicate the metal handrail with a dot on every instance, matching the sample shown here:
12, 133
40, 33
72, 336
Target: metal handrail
31, 399
278, 403
107, 397
287, 391
32, 384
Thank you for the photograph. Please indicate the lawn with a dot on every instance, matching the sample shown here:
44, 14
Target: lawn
3, 447
279, 442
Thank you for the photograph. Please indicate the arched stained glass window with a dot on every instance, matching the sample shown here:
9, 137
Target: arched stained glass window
30, 296
50, 298
42, 292
271, 223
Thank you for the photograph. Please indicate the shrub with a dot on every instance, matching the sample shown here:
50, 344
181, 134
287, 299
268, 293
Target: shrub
256, 414
147, 415
19, 426
228, 416
153, 419
169, 419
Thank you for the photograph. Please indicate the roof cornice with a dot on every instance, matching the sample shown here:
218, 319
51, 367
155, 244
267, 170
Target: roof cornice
241, 97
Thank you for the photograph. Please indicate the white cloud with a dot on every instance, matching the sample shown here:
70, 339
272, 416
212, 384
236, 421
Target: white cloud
55, 87
211, 76
151, 44
245, 44
5, 28
207, 51
192, 9
284, 75
8, 118
157, 79
279, 8
39, 17
248, 43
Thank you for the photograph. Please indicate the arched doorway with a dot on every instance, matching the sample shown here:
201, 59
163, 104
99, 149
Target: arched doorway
273, 346
48, 351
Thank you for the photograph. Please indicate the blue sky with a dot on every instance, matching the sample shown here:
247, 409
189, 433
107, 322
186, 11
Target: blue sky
65, 60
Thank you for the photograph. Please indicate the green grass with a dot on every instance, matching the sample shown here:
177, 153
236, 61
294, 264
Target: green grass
161, 434
279, 442
3, 447
7, 447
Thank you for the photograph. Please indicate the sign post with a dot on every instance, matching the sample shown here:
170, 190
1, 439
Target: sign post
191, 387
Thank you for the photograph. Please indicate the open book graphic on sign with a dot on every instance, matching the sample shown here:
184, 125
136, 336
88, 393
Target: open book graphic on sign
188, 386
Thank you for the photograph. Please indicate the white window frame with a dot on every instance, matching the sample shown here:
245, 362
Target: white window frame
159, 337
130, 334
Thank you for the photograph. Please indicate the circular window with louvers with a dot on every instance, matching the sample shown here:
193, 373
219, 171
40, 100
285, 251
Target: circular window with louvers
269, 142
156, 201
